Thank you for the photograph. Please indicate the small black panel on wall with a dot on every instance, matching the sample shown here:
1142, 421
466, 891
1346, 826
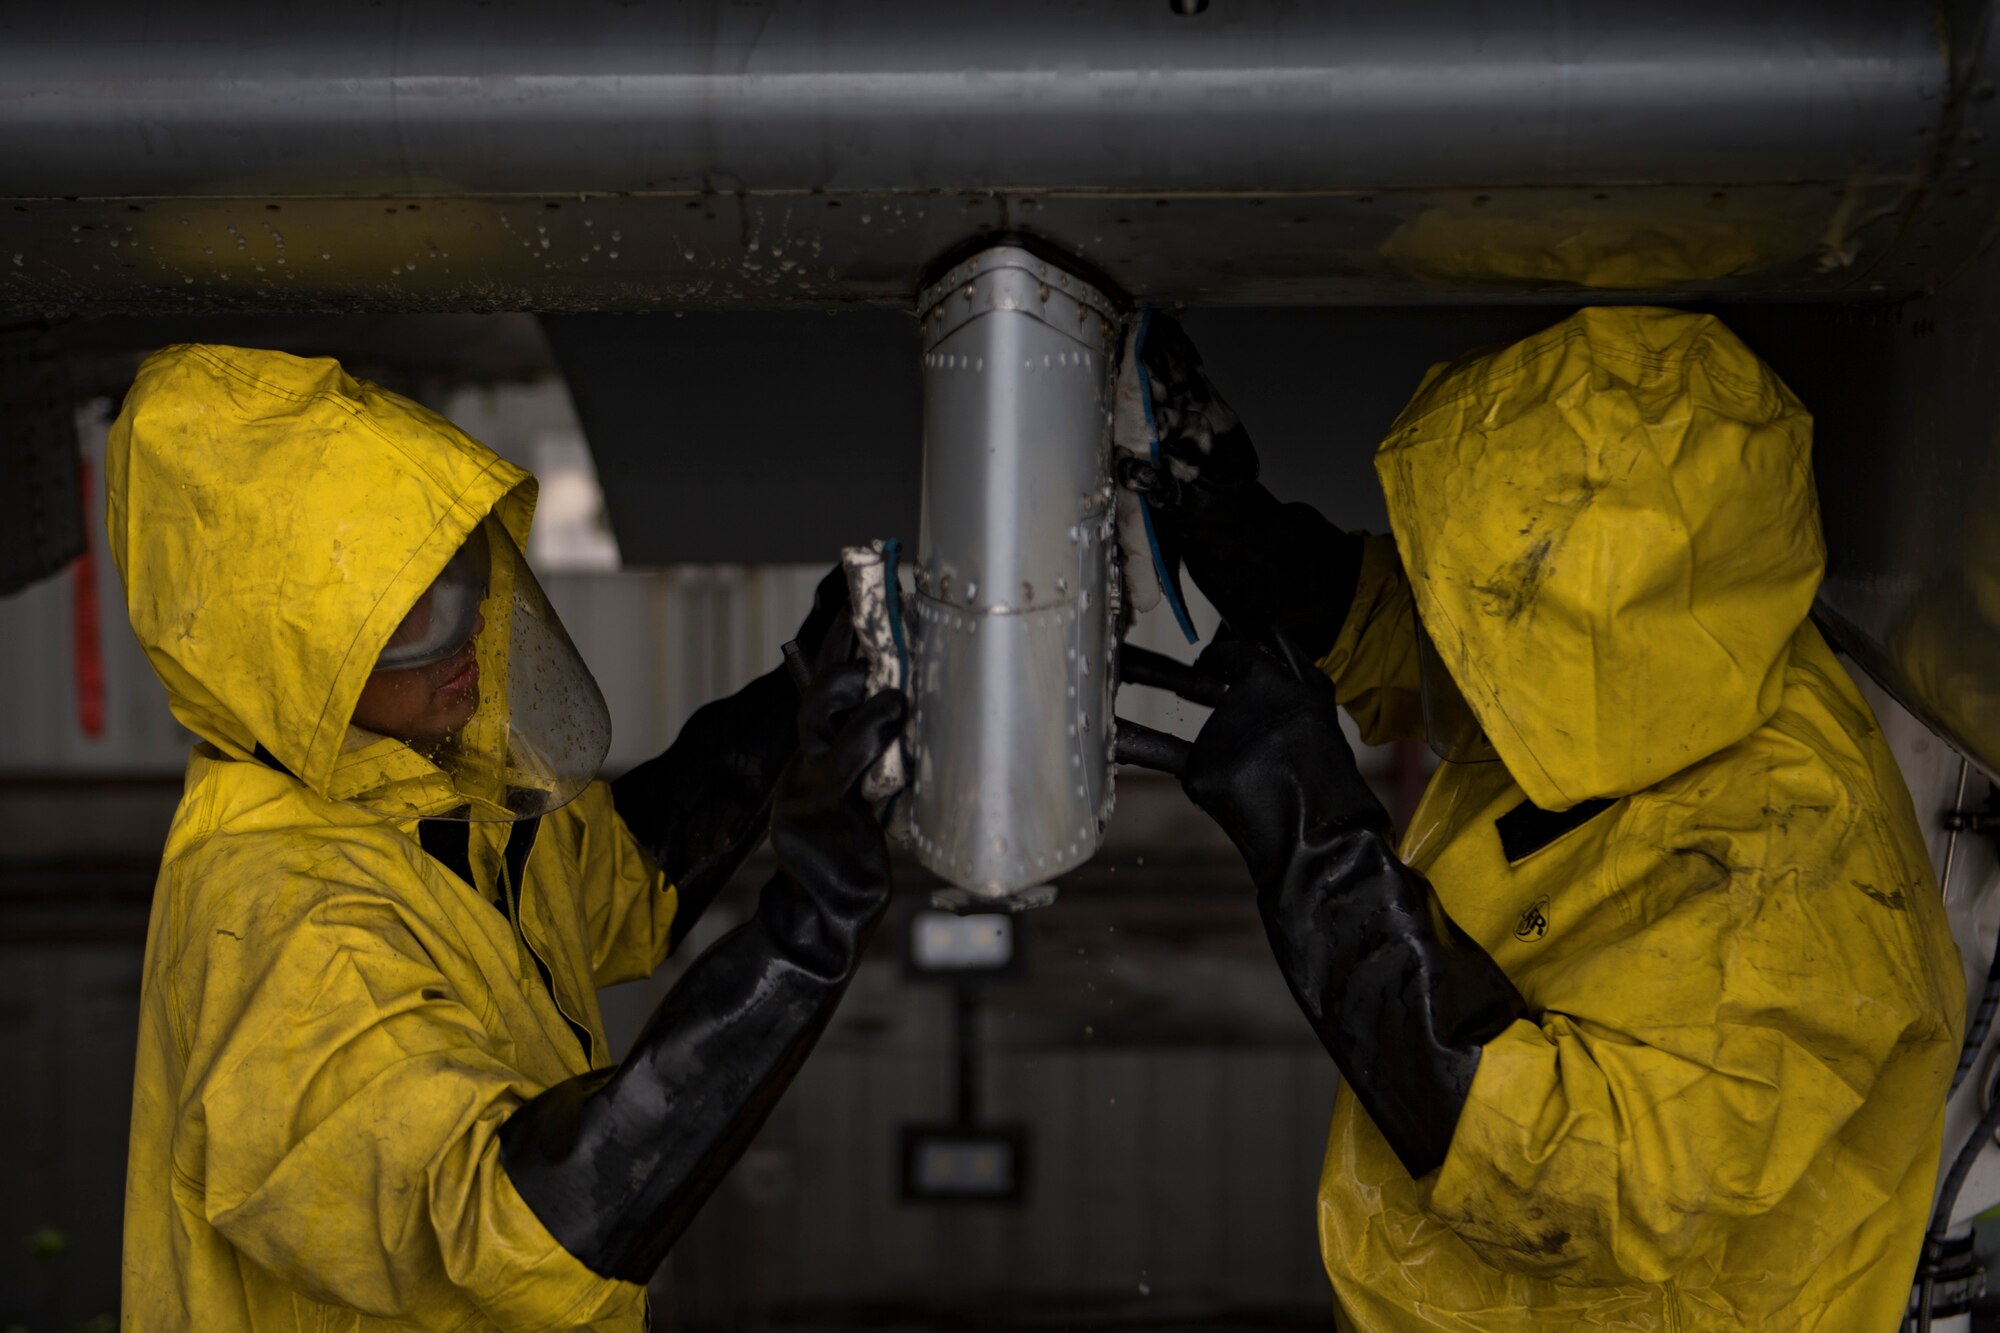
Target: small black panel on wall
964, 1164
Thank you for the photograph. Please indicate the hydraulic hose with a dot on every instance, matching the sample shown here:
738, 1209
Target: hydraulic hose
1975, 1041
1954, 1183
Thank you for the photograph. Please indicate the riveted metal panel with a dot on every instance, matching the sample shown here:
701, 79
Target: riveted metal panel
1013, 576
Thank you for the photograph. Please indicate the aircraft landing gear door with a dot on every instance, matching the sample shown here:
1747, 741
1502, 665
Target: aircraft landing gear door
1015, 578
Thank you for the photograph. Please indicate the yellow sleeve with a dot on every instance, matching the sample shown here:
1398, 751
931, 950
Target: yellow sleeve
1763, 1034
628, 905
340, 1110
1373, 664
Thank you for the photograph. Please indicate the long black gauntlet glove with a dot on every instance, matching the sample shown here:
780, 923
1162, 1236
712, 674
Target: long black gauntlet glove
1265, 565
617, 1162
1401, 998
702, 806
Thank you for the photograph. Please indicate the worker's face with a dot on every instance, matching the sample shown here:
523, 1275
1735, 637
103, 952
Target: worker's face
423, 704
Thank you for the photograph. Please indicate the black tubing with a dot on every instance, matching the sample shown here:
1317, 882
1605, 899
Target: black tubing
1143, 666
1961, 1167
1146, 748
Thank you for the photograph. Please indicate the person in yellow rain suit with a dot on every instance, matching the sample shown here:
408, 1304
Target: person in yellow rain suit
1648, 1021
372, 1088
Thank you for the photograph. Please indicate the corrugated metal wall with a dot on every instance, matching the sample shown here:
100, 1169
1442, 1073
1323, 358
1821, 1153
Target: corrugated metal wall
1168, 1183
1175, 1103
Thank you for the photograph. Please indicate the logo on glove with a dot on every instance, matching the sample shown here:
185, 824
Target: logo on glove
1534, 922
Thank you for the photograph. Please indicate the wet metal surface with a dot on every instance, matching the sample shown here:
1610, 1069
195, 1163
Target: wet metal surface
641, 156
693, 251
1011, 621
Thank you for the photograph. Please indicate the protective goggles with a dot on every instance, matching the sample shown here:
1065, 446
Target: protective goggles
443, 618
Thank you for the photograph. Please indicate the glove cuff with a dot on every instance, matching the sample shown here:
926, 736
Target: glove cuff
1402, 999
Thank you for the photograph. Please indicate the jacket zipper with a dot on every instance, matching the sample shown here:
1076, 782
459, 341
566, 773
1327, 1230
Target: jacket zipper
510, 867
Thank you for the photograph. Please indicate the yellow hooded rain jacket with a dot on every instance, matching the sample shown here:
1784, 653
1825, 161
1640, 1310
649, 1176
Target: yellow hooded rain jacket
1697, 860
334, 1025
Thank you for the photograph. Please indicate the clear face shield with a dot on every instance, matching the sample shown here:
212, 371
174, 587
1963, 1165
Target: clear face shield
479, 707
1449, 723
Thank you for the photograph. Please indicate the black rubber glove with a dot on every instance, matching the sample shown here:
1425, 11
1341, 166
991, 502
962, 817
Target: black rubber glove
702, 806
1266, 566
617, 1162
1400, 996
